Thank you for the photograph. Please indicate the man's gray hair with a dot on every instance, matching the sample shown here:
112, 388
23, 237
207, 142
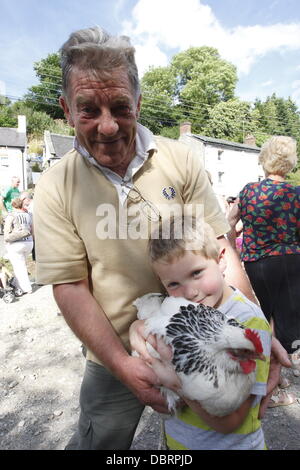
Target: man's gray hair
95, 50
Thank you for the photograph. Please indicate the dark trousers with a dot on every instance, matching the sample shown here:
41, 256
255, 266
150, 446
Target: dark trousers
276, 283
109, 413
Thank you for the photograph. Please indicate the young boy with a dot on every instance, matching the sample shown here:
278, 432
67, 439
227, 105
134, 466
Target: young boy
192, 266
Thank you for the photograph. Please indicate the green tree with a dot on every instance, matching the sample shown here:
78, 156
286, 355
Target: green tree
7, 118
195, 81
158, 89
231, 120
279, 116
203, 81
44, 96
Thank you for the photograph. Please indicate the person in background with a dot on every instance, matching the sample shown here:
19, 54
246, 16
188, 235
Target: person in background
19, 243
270, 213
118, 165
27, 205
26, 197
9, 194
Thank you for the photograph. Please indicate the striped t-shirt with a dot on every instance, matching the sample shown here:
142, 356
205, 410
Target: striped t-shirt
188, 431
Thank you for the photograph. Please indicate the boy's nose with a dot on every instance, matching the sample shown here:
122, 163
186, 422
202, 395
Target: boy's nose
190, 293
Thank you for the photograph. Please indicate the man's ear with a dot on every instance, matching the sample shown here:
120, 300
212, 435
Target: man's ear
138, 107
222, 260
64, 105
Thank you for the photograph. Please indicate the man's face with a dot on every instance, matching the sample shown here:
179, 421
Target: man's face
104, 114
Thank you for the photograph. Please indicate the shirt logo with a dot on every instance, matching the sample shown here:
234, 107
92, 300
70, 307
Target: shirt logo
169, 193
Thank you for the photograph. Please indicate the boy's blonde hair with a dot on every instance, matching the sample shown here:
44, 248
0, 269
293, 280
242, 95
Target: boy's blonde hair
278, 155
174, 237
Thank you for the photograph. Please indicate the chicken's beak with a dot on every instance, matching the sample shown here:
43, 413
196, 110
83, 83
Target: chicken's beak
261, 357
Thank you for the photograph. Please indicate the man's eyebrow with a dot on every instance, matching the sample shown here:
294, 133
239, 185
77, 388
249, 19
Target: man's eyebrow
80, 100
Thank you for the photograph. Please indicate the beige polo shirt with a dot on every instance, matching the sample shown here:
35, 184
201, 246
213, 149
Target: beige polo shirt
81, 229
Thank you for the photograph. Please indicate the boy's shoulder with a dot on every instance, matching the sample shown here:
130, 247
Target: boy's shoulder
241, 308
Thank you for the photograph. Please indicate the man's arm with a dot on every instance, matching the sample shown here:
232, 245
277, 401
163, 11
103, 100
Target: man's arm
90, 324
234, 273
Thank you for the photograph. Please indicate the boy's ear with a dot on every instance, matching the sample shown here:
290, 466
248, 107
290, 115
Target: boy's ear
222, 260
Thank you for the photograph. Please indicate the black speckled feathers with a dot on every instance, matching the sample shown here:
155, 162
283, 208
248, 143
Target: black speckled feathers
191, 329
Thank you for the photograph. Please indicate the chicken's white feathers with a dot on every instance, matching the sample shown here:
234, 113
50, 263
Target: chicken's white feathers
201, 338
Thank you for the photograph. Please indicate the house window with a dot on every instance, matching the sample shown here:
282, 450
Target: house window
4, 161
220, 176
220, 154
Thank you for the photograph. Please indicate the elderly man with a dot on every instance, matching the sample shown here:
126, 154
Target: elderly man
117, 176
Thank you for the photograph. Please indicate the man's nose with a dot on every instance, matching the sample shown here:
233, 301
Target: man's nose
107, 124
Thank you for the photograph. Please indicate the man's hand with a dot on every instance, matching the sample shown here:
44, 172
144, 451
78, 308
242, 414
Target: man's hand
279, 357
137, 339
143, 382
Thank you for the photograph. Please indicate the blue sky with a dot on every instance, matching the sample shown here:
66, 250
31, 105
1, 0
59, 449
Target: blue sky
260, 37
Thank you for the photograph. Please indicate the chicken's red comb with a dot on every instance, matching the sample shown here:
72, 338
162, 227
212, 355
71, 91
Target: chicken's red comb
253, 336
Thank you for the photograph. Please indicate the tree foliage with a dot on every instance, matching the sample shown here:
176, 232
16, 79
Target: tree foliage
44, 96
195, 81
198, 86
231, 120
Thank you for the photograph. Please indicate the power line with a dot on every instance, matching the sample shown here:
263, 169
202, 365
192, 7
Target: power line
192, 112
146, 105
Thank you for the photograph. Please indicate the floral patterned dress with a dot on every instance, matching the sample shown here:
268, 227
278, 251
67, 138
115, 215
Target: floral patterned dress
270, 212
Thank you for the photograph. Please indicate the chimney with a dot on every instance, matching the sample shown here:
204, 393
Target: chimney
22, 124
250, 140
185, 128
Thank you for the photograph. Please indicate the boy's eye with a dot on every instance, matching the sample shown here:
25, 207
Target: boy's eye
197, 272
172, 285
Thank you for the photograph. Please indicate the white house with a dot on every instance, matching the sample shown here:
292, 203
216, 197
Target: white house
13, 154
230, 164
55, 147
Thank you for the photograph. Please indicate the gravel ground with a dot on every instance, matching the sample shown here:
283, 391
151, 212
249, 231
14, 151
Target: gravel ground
41, 367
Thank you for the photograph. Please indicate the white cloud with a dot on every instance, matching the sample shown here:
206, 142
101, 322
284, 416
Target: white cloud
296, 84
143, 53
267, 83
180, 24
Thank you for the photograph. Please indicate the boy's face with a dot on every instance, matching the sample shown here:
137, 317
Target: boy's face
193, 277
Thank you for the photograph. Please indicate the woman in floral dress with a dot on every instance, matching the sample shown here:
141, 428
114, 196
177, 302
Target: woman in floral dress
270, 212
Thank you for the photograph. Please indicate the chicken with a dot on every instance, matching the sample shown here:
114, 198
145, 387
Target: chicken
213, 355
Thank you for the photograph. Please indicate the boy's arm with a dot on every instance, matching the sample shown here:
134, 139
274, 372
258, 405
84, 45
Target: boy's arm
225, 424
